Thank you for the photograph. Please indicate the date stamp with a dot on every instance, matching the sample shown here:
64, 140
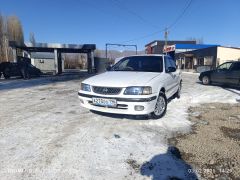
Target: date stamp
209, 170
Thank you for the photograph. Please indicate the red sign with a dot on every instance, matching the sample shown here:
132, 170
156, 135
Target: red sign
169, 48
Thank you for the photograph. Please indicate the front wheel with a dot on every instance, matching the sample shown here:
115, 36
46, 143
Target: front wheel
160, 107
206, 80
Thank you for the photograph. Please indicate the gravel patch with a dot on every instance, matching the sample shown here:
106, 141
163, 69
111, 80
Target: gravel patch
214, 144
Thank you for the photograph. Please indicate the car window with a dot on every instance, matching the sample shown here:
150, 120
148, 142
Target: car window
236, 66
224, 66
140, 63
123, 64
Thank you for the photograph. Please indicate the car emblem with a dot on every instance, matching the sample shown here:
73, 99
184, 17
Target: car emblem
105, 90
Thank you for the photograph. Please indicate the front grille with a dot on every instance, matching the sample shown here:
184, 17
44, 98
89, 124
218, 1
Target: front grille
106, 90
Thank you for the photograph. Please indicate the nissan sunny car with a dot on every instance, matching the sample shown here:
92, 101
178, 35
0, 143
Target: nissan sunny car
135, 85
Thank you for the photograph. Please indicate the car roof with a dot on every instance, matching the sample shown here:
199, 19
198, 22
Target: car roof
231, 61
145, 55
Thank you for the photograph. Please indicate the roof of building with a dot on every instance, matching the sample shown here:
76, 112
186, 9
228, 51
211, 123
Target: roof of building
49, 47
207, 49
230, 47
61, 46
172, 42
194, 46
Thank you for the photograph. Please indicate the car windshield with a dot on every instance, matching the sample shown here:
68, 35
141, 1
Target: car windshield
140, 63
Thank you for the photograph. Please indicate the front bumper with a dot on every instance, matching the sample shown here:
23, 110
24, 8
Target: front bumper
125, 105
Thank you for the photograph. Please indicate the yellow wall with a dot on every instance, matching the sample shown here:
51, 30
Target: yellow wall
226, 54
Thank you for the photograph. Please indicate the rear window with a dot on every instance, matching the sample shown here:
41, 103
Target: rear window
236, 66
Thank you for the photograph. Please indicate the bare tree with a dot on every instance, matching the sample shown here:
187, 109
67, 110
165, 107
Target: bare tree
4, 49
75, 61
15, 33
97, 53
14, 29
32, 38
1, 38
10, 30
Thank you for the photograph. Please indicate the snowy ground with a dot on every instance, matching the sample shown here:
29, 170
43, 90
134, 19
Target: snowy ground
45, 134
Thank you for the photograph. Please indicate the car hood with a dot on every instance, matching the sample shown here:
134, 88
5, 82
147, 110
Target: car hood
121, 78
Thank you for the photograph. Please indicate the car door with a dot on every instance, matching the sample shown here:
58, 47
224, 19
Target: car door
220, 74
175, 75
15, 70
31, 69
171, 77
233, 75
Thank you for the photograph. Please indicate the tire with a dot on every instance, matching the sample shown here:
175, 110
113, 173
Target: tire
178, 93
28, 76
206, 80
24, 73
6, 73
160, 107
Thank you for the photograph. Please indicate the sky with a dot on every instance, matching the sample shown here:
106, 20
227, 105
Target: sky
127, 21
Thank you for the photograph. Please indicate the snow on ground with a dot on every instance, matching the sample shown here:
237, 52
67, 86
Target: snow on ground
45, 134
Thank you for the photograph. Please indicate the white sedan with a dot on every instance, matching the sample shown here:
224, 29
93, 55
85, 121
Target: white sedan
136, 85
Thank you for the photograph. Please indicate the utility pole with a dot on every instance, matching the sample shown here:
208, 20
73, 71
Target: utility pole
166, 32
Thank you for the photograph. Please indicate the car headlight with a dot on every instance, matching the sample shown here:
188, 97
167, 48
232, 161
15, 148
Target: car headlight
85, 87
138, 90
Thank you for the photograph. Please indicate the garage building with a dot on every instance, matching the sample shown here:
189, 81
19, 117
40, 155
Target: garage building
206, 58
45, 62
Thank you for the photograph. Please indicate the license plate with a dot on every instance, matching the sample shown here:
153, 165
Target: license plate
104, 102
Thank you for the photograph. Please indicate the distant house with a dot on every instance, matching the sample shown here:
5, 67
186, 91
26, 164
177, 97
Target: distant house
44, 61
191, 56
206, 58
157, 46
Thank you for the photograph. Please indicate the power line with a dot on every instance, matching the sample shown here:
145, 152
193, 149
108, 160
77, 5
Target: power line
145, 36
164, 29
100, 9
122, 6
181, 15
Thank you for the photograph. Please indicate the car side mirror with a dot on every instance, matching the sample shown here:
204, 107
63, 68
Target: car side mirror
171, 69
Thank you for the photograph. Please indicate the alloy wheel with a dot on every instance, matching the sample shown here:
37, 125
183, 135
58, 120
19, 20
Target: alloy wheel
160, 106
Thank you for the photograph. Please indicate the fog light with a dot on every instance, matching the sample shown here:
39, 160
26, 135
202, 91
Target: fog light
139, 108
81, 101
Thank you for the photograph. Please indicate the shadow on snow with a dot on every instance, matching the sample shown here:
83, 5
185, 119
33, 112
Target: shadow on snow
168, 166
17, 83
